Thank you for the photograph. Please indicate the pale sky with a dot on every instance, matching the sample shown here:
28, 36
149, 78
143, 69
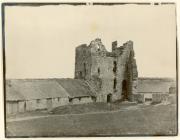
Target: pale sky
41, 41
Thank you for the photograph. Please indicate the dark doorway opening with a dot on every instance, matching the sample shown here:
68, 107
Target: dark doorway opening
124, 90
109, 98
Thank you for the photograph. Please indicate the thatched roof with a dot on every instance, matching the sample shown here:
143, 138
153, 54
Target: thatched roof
150, 85
29, 89
76, 87
13, 95
35, 89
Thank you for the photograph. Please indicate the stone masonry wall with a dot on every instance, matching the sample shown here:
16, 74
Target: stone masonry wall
82, 62
110, 68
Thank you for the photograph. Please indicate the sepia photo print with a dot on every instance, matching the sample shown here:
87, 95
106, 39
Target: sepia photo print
90, 69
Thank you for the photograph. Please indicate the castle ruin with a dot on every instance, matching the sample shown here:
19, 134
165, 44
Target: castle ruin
100, 76
112, 75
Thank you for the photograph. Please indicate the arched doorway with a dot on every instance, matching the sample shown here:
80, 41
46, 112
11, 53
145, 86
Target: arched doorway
109, 98
124, 90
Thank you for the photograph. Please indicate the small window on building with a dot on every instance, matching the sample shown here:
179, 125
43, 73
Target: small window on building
79, 98
99, 71
115, 83
59, 99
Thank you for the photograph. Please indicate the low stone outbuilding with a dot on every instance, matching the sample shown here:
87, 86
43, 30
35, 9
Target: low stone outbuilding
154, 90
37, 94
79, 91
14, 101
34, 95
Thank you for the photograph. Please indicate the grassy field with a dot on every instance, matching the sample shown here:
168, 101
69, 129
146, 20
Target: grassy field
148, 120
91, 107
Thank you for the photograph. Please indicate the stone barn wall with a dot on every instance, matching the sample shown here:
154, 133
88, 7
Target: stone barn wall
11, 107
60, 101
86, 100
81, 100
30, 105
22, 107
40, 104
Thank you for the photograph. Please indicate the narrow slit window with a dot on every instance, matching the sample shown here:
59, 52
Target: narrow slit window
85, 69
115, 83
115, 67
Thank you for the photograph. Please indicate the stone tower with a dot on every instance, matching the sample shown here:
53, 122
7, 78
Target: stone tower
112, 75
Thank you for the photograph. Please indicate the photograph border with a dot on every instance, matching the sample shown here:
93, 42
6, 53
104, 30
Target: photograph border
36, 4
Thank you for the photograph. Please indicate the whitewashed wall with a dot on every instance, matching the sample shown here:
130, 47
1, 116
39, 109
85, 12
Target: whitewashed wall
30, 105
12, 107
21, 106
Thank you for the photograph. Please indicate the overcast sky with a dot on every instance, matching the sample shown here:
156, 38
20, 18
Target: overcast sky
41, 41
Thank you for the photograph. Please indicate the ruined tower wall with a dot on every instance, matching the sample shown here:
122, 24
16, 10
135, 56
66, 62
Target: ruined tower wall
102, 68
130, 73
109, 72
82, 62
126, 68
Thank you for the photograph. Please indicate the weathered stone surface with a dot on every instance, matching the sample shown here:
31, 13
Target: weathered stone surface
110, 73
